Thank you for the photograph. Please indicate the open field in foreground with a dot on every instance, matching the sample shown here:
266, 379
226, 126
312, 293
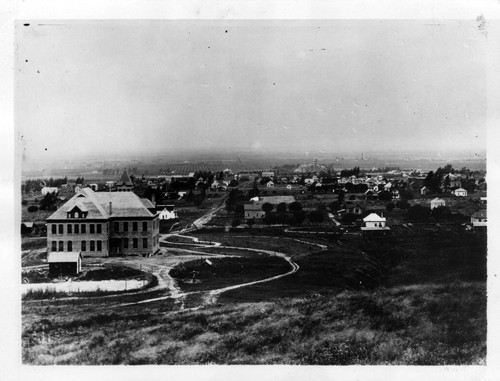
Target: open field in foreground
428, 324
412, 298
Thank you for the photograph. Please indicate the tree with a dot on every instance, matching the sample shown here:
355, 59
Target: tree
235, 222
295, 206
299, 216
405, 194
349, 218
402, 204
240, 210
32, 209
316, 217
441, 213
334, 206
267, 207
251, 222
390, 206
418, 213
270, 218
385, 196
281, 208
49, 201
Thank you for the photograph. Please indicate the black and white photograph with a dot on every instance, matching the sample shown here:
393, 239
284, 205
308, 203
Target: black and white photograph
252, 191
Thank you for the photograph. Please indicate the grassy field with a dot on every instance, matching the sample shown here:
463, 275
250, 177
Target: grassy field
428, 324
417, 296
226, 271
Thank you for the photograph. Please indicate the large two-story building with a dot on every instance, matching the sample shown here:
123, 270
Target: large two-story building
104, 224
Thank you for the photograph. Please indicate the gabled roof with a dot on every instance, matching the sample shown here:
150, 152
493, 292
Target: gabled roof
480, 214
147, 203
437, 200
123, 204
275, 200
460, 190
253, 207
124, 180
64, 256
374, 217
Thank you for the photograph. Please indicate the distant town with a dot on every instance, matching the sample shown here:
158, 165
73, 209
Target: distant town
210, 235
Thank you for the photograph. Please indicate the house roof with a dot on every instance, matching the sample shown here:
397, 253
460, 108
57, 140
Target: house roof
275, 200
64, 256
374, 217
480, 214
123, 204
147, 203
437, 200
460, 190
124, 180
253, 207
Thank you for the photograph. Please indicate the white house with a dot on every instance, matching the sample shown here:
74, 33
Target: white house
374, 222
168, 213
47, 190
437, 202
479, 219
254, 211
65, 263
460, 192
424, 191
270, 184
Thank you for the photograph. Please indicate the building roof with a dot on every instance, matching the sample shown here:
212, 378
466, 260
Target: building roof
437, 200
253, 207
64, 256
124, 180
97, 204
277, 199
374, 217
460, 190
480, 214
147, 203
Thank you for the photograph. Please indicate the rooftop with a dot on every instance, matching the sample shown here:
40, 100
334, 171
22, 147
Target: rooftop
103, 205
64, 256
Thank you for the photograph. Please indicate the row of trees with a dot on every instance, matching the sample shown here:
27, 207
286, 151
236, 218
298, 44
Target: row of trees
36, 185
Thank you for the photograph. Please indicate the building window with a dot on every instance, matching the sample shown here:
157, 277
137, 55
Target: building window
77, 228
134, 226
99, 228
54, 229
116, 226
91, 228
145, 226
70, 229
61, 246
134, 243
125, 226
84, 229
125, 243
92, 245
61, 229
54, 245
99, 246
144, 243
84, 245
70, 245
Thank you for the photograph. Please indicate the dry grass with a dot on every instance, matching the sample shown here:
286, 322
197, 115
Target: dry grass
431, 324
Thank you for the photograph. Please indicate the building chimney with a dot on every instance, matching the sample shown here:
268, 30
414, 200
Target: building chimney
110, 208
153, 200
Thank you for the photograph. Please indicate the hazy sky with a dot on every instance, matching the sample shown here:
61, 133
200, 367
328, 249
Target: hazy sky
330, 86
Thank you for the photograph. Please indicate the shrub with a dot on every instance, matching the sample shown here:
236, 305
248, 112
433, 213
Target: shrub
32, 209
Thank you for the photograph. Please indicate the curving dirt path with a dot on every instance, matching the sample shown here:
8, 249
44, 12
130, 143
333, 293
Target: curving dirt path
210, 297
